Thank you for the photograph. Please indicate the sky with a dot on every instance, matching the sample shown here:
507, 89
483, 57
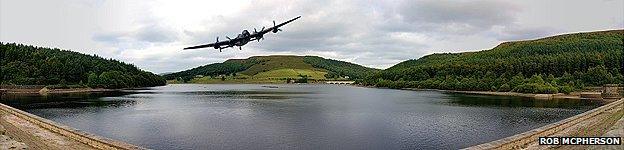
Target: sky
378, 34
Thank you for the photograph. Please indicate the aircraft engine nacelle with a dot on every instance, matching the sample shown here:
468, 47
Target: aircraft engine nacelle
275, 30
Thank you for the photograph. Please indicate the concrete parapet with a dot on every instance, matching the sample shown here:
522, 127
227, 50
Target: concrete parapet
80, 136
591, 95
611, 91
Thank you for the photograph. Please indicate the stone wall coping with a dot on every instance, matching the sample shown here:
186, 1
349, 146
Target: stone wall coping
75, 134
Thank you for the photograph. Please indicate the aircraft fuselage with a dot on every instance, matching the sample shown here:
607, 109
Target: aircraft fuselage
245, 36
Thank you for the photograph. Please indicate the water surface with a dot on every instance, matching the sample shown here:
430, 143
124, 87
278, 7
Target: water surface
250, 116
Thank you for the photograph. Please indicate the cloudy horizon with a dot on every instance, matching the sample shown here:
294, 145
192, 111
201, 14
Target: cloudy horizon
378, 34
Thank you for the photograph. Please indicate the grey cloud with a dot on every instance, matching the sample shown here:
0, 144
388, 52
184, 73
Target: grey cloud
513, 33
141, 38
109, 38
462, 17
156, 34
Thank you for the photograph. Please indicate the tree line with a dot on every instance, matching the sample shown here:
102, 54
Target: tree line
550, 65
337, 69
229, 67
30, 65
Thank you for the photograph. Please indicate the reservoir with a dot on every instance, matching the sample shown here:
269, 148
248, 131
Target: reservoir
291, 116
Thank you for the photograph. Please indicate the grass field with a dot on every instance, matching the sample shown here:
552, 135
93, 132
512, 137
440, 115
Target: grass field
233, 80
272, 76
270, 63
292, 73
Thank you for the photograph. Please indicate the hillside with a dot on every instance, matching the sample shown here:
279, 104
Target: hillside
546, 65
277, 67
29, 65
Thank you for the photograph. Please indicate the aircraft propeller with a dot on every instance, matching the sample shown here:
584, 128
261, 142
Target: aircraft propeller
275, 29
216, 46
260, 36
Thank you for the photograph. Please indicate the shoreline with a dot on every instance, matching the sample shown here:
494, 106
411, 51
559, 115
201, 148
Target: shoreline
573, 95
45, 91
56, 91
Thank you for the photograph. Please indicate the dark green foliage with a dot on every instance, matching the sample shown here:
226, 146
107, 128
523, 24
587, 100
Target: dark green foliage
337, 69
228, 67
302, 79
571, 60
504, 88
29, 65
566, 89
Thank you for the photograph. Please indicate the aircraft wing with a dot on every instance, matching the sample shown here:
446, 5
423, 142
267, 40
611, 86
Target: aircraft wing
201, 46
274, 27
227, 43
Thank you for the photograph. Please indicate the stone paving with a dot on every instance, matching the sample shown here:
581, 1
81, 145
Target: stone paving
7, 142
617, 130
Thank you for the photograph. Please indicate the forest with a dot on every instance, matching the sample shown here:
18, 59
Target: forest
30, 65
339, 68
558, 64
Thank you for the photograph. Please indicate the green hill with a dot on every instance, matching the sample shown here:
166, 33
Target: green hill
29, 65
546, 65
273, 68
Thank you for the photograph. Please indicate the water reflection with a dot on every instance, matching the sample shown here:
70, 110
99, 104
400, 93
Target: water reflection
66, 100
299, 116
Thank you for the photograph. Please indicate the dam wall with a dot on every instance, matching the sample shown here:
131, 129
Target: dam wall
80, 136
612, 91
523, 140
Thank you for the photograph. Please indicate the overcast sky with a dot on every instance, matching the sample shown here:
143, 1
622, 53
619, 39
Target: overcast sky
379, 34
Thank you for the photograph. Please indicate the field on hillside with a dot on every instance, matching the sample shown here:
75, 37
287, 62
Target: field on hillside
292, 73
271, 63
231, 80
273, 76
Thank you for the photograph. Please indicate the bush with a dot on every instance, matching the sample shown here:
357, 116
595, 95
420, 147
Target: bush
504, 88
566, 89
526, 88
548, 89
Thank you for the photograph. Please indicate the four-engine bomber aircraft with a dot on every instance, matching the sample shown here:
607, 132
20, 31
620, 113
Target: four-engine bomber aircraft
243, 38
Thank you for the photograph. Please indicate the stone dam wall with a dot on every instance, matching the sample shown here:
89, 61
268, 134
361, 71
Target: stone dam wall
80, 136
522, 140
